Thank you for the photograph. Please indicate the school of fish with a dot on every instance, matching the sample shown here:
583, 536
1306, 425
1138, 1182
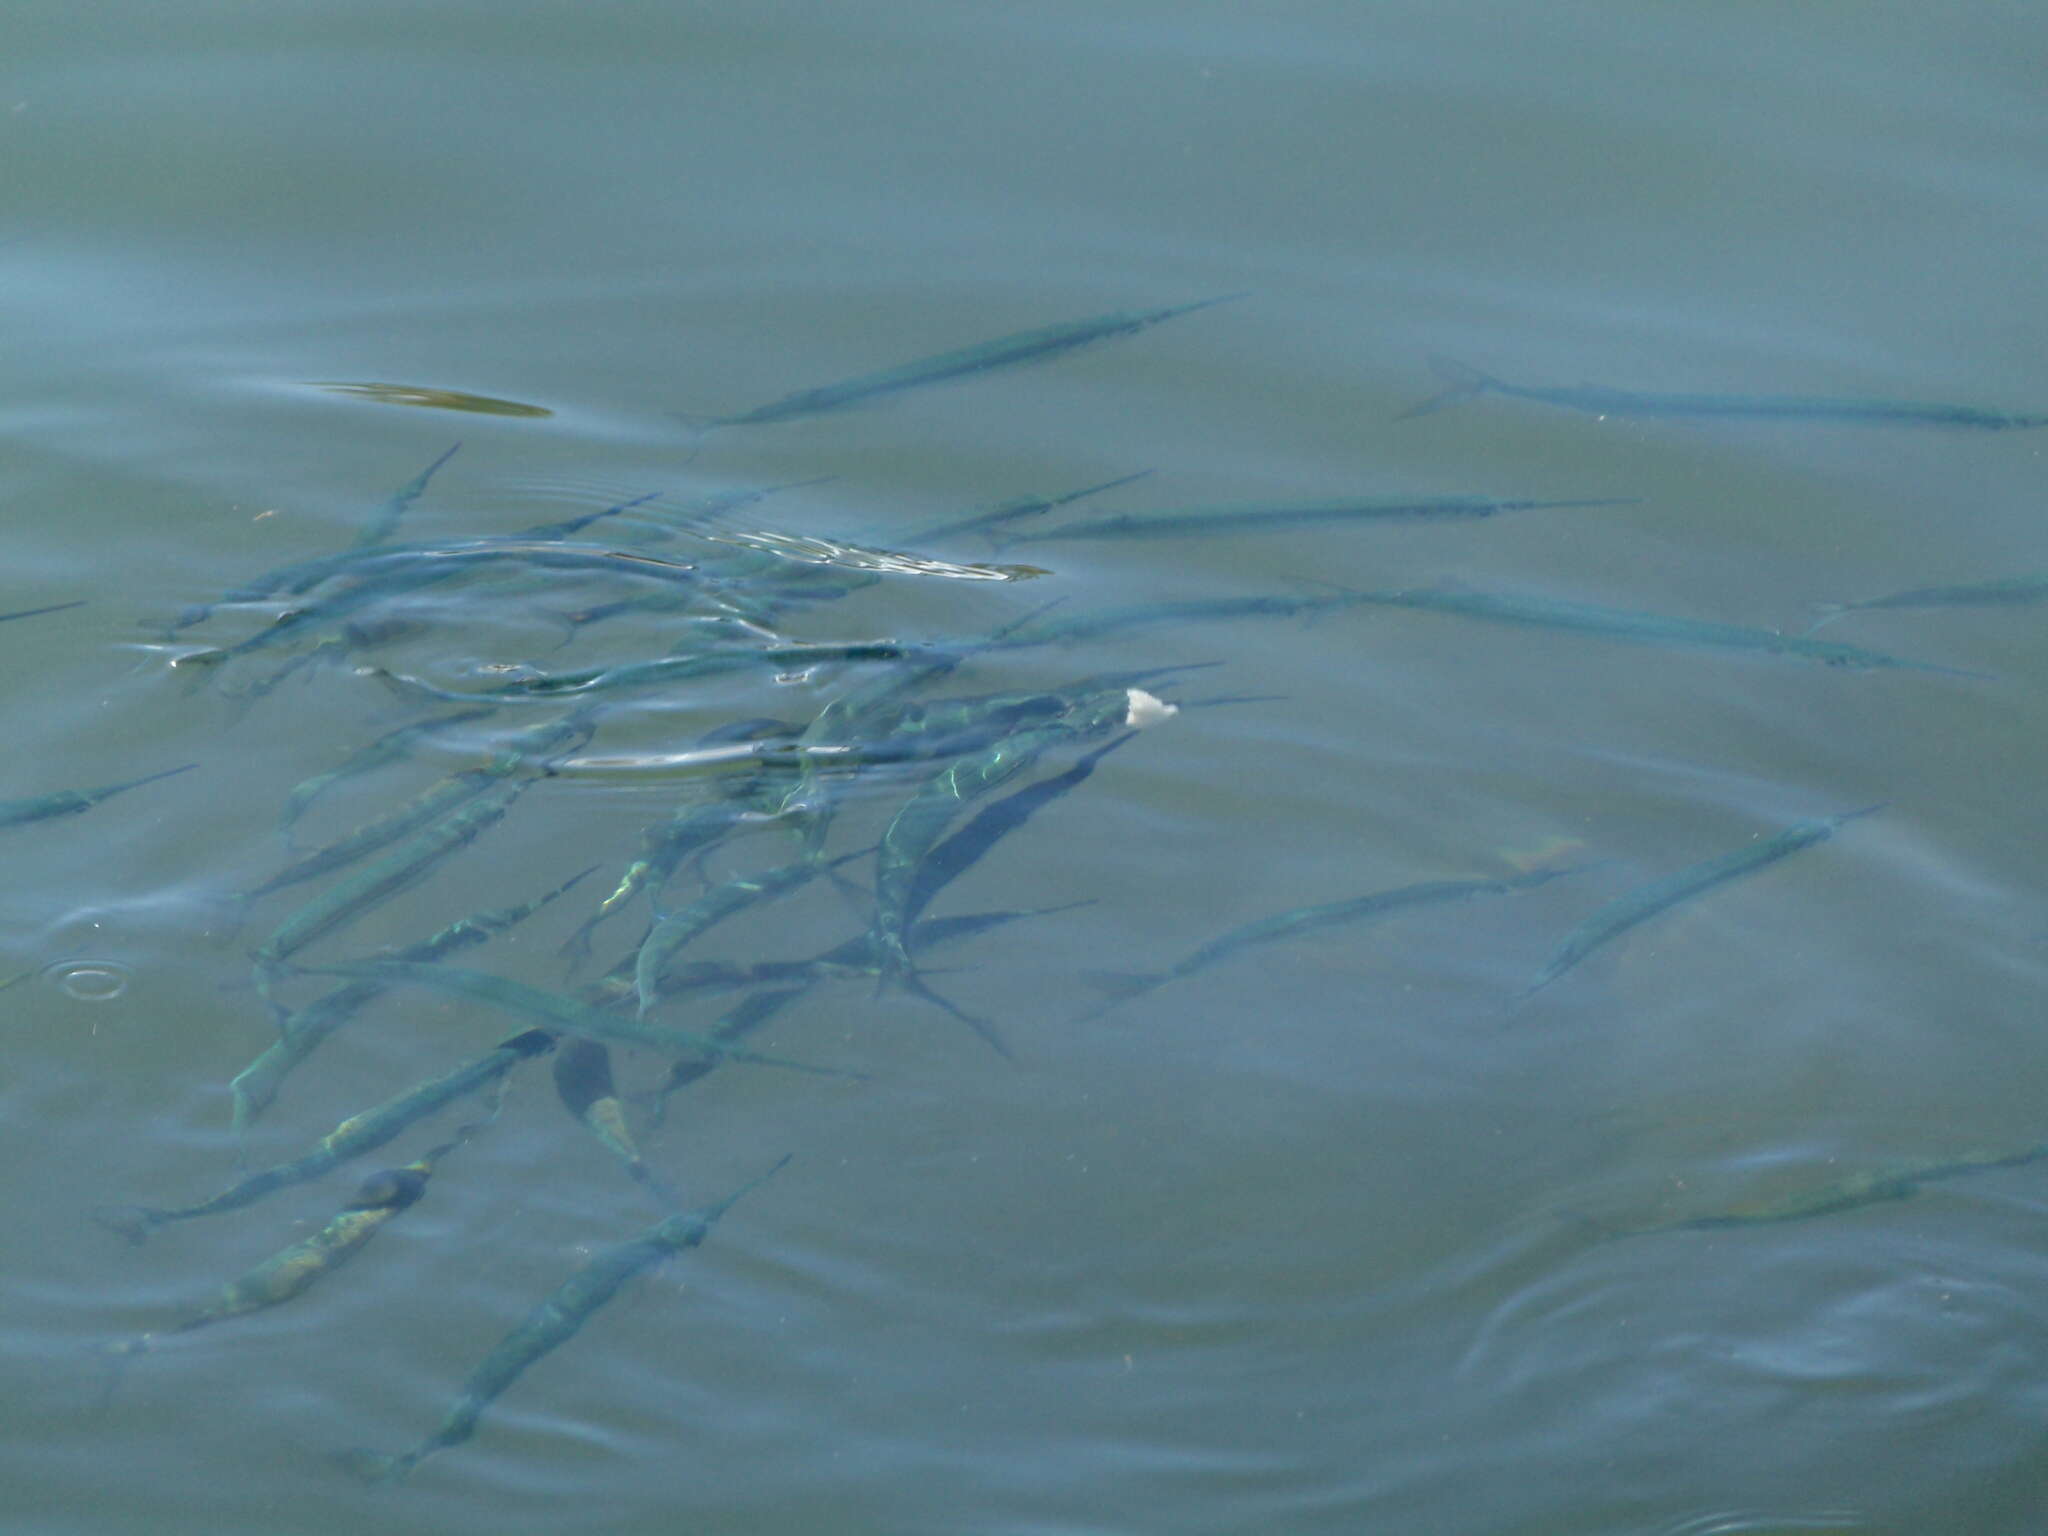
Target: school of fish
931, 770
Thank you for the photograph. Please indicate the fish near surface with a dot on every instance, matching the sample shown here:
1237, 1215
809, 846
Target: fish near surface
563, 1013
300, 1032
2001, 592
1209, 522
549, 1326
354, 1137
1597, 400
1005, 351
1634, 627
69, 802
1855, 1191
1376, 906
1647, 901
292, 1271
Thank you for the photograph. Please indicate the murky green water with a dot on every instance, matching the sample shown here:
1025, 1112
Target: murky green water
1316, 1240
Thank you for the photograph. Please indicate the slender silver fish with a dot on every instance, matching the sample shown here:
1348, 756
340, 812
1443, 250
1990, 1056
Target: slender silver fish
1645, 902
1005, 351
1376, 906
1634, 627
69, 802
1865, 1187
30, 613
550, 1325
1597, 400
1209, 522
2003, 592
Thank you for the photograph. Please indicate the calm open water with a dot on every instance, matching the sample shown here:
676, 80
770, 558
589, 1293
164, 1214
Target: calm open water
1316, 1241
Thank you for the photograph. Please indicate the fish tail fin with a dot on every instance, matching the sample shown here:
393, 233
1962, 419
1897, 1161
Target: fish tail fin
134, 1222
915, 984
699, 428
576, 948
376, 1466
1827, 613
1121, 986
1117, 988
1464, 380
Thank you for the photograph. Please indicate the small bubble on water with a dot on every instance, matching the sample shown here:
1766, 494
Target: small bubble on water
89, 981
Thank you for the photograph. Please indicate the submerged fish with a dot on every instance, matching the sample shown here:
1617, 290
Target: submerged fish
672, 930
914, 832
952, 858
1637, 628
1375, 907
383, 571
1102, 623
292, 1271
383, 878
563, 1013
300, 1032
550, 1325
1863, 1188
1646, 901
777, 984
382, 523
388, 748
583, 1082
30, 613
1207, 522
1005, 351
2003, 592
69, 802
1014, 510
1596, 400
354, 1137
663, 669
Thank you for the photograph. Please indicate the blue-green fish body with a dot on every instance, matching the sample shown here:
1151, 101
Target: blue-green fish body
1005, 351
1210, 522
1647, 901
30, 613
69, 802
1015, 510
1638, 628
550, 1325
354, 1137
1104, 623
561, 1013
1376, 906
1855, 1191
388, 748
292, 1271
301, 1031
917, 827
2004, 592
382, 523
383, 878
1596, 400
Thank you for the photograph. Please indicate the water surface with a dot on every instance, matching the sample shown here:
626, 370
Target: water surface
1312, 1242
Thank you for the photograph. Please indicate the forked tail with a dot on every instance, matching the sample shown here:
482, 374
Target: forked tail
1465, 381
